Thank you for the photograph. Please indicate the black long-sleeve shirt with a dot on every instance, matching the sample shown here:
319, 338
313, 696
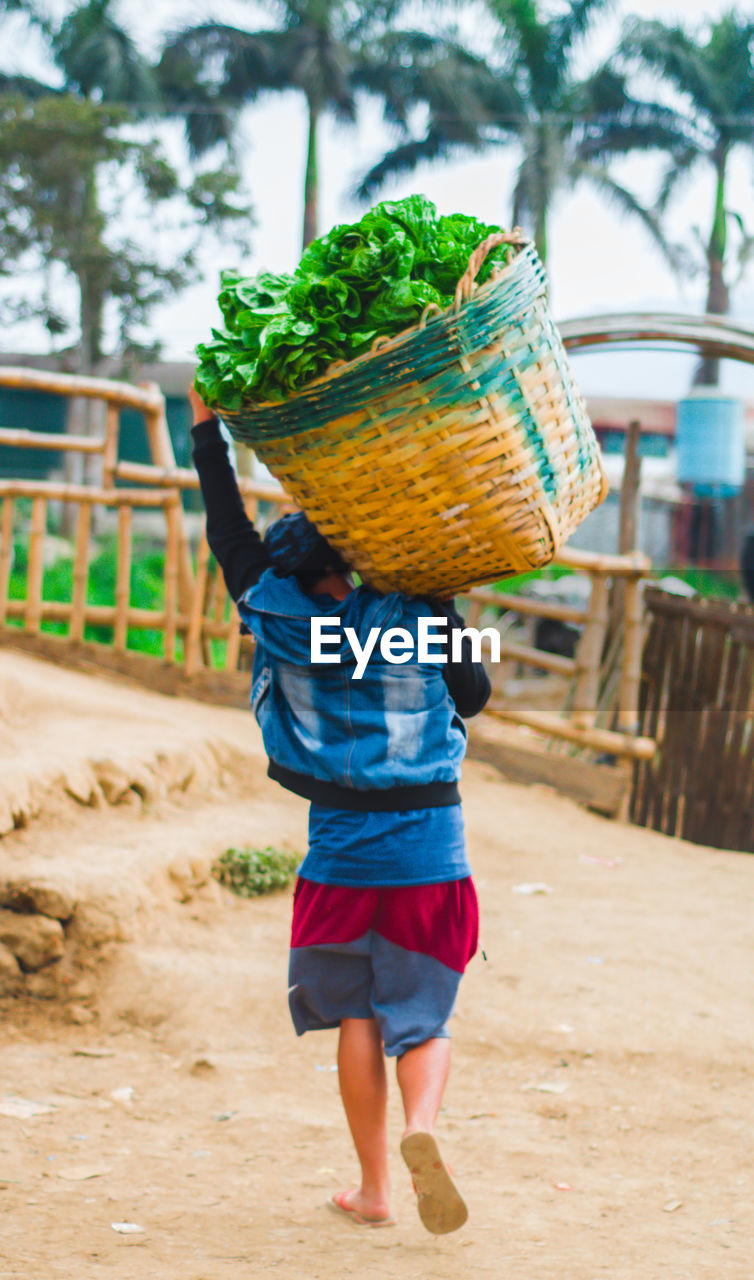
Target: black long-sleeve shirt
243, 558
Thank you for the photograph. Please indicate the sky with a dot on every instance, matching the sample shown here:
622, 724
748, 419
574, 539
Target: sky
600, 261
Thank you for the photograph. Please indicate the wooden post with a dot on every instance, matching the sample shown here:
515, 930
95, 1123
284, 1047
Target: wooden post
96, 419
174, 518
80, 572
163, 455
628, 527
251, 505
627, 612
193, 652
245, 460
630, 491
6, 554
123, 582
589, 654
234, 642
33, 612
474, 611
633, 637
110, 453
220, 596
76, 424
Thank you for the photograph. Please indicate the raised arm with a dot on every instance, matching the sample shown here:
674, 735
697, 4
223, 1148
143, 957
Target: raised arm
233, 540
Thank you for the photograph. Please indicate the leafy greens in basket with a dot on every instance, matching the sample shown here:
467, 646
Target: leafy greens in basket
359, 282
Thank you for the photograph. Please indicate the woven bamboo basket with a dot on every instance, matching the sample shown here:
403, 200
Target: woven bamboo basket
457, 453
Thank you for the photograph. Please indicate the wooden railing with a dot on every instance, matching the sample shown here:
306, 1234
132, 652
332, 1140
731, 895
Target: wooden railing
196, 611
697, 700
586, 671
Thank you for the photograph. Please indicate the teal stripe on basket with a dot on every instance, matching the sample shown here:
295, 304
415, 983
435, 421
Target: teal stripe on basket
500, 379
534, 439
494, 309
581, 428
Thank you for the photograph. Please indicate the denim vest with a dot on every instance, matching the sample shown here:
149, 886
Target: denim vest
397, 726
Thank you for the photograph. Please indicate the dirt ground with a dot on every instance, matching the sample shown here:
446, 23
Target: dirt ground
599, 1113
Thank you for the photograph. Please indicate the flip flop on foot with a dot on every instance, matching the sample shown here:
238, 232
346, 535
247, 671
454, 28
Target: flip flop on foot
339, 1204
441, 1206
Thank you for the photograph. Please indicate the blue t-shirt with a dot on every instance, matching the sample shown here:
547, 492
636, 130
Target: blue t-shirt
414, 846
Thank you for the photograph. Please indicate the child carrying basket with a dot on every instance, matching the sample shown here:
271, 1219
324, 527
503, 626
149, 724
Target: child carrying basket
449, 454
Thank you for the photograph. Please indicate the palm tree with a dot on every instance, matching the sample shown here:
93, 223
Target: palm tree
318, 50
97, 57
23, 86
100, 63
713, 70
100, 60
463, 97
567, 129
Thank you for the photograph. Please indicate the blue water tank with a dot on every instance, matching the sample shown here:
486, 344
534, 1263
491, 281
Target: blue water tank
711, 442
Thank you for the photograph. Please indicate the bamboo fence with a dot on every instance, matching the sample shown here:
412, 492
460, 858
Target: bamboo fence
196, 611
697, 701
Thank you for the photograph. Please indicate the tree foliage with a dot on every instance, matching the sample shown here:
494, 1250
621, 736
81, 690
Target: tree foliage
68, 169
712, 71
325, 50
100, 59
528, 93
74, 174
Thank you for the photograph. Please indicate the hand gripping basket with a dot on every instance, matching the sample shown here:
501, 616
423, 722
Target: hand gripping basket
454, 454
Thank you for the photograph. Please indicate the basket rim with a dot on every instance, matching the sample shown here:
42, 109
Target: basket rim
381, 345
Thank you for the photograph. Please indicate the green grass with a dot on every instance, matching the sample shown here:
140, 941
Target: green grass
147, 590
512, 585
251, 872
713, 584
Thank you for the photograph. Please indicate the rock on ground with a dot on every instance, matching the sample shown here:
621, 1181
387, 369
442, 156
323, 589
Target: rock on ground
35, 940
53, 898
11, 979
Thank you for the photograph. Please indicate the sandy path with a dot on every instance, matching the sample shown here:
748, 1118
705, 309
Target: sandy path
627, 990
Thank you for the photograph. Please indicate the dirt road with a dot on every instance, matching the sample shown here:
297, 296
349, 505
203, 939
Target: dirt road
599, 1113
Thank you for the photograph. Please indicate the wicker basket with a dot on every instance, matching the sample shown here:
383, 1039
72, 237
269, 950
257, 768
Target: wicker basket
454, 454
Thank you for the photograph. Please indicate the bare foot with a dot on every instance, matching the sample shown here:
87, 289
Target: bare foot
364, 1211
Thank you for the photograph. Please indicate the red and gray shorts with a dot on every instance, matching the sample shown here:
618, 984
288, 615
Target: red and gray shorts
394, 954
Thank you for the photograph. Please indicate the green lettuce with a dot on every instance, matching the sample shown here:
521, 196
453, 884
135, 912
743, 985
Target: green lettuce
358, 282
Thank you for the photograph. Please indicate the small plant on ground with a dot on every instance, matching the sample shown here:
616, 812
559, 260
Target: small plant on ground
251, 872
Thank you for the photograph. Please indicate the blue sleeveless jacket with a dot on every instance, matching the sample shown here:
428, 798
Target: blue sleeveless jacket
329, 734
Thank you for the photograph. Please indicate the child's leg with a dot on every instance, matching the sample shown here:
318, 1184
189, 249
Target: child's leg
363, 1088
422, 1075
424, 938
